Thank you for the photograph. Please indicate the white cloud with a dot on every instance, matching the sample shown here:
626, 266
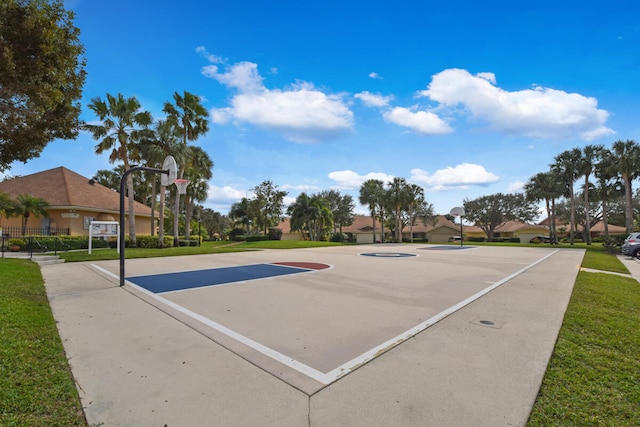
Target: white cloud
423, 122
211, 58
460, 176
350, 180
307, 188
539, 112
516, 187
226, 193
375, 76
301, 113
373, 99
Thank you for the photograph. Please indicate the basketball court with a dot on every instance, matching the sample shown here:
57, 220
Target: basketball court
367, 335
312, 316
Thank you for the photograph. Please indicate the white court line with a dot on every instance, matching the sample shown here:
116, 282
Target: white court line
345, 368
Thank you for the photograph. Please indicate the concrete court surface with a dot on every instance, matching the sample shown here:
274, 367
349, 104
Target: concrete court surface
218, 355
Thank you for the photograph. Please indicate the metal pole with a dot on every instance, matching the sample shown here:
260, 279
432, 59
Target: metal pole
461, 236
121, 222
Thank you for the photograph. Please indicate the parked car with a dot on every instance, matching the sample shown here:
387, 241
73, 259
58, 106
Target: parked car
455, 239
631, 245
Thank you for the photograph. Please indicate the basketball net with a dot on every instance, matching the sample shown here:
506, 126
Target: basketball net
181, 184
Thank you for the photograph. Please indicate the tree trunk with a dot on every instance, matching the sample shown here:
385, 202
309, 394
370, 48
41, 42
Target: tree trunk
629, 203
132, 215
587, 220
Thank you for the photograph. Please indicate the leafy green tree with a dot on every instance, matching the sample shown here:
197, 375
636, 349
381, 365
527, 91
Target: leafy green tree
123, 126
270, 201
490, 212
26, 205
627, 154
568, 167
372, 196
6, 205
214, 222
41, 77
341, 206
189, 118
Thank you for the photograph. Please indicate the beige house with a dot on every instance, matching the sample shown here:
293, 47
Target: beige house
74, 201
509, 230
597, 230
362, 230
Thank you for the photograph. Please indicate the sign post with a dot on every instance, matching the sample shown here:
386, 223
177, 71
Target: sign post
103, 229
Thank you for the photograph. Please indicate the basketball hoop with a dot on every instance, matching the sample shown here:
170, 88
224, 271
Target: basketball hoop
181, 184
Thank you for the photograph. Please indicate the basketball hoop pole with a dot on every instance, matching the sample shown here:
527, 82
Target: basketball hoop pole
121, 224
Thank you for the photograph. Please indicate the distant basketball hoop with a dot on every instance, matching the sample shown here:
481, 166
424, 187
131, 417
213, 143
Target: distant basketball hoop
182, 185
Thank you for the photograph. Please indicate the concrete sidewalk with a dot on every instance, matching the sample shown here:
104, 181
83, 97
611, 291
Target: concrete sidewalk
480, 366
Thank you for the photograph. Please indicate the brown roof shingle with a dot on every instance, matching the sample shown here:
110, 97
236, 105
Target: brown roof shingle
61, 187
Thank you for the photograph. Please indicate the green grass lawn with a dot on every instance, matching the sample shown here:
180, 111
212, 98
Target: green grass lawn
36, 386
205, 248
593, 377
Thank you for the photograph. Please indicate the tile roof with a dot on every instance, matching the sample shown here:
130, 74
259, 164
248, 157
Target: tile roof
63, 188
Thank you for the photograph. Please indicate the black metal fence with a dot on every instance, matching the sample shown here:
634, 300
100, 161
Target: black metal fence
14, 231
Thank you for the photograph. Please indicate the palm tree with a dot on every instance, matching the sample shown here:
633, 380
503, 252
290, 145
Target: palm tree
123, 125
189, 118
415, 195
26, 205
608, 183
371, 195
545, 186
240, 213
590, 157
398, 196
567, 167
627, 155
164, 142
198, 171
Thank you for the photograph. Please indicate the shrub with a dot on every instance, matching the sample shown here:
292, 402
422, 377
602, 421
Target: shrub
613, 242
339, 237
476, 239
275, 234
236, 232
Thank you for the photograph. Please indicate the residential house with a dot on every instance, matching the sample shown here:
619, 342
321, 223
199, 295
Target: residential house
74, 201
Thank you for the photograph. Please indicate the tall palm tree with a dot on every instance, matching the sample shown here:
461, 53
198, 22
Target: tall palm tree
398, 198
415, 198
545, 186
198, 171
240, 213
122, 126
189, 118
164, 142
567, 167
608, 183
627, 155
590, 157
26, 205
371, 195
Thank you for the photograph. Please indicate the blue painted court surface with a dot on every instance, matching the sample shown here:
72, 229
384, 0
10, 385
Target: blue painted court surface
171, 282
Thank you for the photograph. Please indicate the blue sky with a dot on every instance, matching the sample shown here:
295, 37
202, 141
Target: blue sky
464, 98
